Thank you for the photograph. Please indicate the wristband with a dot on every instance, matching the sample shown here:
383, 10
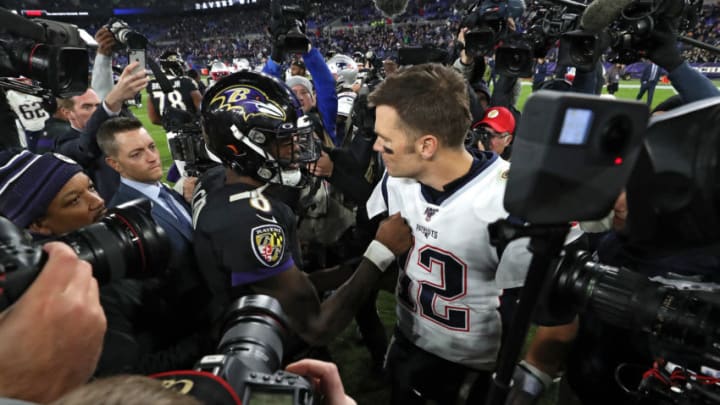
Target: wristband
544, 377
379, 255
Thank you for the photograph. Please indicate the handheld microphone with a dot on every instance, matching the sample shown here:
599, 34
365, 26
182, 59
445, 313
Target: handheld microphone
601, 13
391, 8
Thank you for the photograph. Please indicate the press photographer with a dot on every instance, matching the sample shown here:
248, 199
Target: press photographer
247, 368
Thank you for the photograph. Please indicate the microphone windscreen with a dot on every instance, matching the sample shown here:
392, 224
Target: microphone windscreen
391, 8
601, 13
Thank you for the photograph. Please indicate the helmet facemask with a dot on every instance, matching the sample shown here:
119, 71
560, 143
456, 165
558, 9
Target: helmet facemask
289, 153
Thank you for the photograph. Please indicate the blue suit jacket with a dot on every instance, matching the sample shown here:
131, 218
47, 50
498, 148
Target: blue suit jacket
180, 240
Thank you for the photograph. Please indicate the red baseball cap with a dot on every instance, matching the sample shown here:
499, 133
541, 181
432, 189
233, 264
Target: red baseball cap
498, 118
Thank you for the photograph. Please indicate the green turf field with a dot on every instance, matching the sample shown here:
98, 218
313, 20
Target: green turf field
347, 351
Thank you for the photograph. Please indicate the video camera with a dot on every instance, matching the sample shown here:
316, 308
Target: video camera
573, 170
486, 21
50, 52
629, 35
249, 360
517, 51
126, 243
187, 144
287, 27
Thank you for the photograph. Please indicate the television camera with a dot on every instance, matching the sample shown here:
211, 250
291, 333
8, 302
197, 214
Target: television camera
247, 368
51, 53
287, 27
125, 243
573, 170
627, 27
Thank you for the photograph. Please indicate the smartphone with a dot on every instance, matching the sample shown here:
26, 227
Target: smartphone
137, 55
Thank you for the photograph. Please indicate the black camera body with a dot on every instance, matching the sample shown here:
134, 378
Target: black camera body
187, 144
126, 243
49, 52
516, 53
125, 36
563, 140
629, 35
249, 360
287, 27
486, 21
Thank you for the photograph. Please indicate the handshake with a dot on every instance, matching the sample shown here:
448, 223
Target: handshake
287, 29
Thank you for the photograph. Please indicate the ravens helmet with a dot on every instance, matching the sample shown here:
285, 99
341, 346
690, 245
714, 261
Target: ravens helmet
172, 64
256, 126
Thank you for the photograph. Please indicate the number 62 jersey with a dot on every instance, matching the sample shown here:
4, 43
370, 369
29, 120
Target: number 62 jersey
448, 292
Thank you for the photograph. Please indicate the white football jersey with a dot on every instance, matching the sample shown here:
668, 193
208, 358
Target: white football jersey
28, 109
448, 293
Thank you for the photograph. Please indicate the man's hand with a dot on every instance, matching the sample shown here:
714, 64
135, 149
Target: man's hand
464, 57
324, 166
662, 48
188, 188
106, 41
325, 377
51, 338
127, 87
395, 234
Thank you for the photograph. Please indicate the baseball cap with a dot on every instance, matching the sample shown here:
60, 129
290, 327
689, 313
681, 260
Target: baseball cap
498, 118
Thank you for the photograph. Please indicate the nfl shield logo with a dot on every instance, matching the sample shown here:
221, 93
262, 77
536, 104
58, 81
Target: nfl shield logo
429, 212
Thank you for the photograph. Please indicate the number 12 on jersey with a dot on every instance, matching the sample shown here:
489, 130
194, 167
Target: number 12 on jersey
433, 301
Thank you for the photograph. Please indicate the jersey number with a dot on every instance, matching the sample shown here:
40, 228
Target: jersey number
453, 285
32, 111
174, 97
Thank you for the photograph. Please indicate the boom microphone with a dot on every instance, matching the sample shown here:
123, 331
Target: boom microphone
391, 8
601, 13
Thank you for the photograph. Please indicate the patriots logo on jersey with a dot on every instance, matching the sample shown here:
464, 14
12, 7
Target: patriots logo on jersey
268, 243
249, 100
429, 212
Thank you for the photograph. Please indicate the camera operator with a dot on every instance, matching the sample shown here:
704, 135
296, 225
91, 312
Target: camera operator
264, 158
66, 201
606, 345
495, 132
50, 339
85, 118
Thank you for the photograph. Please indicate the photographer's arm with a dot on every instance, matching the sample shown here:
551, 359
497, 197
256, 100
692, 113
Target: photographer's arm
50, 339
327, 101
689, 83
102, 80
153, 114
319, 323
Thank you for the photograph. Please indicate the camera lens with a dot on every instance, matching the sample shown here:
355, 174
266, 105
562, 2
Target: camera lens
255, 332
125, 243
615, 137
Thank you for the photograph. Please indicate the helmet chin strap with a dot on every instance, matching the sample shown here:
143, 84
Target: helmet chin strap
289, 178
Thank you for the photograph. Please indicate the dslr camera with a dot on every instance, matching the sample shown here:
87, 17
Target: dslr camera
126, 243
248, 362
287, 27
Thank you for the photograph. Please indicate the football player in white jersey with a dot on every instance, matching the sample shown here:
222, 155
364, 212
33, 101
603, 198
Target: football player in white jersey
454, 281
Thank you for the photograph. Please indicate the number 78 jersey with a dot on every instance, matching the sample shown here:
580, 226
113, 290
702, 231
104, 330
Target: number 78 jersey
448, 292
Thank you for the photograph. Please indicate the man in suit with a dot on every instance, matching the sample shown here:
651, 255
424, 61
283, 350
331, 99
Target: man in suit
648, 81
132, 153
82, 111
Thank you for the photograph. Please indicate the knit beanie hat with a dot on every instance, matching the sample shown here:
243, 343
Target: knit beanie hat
29, 183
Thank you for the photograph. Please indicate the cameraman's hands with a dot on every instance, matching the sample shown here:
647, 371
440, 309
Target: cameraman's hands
464, 58
395, 234
127, 87
325, 377
105, 40
324, 166
662, 48
51, 338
